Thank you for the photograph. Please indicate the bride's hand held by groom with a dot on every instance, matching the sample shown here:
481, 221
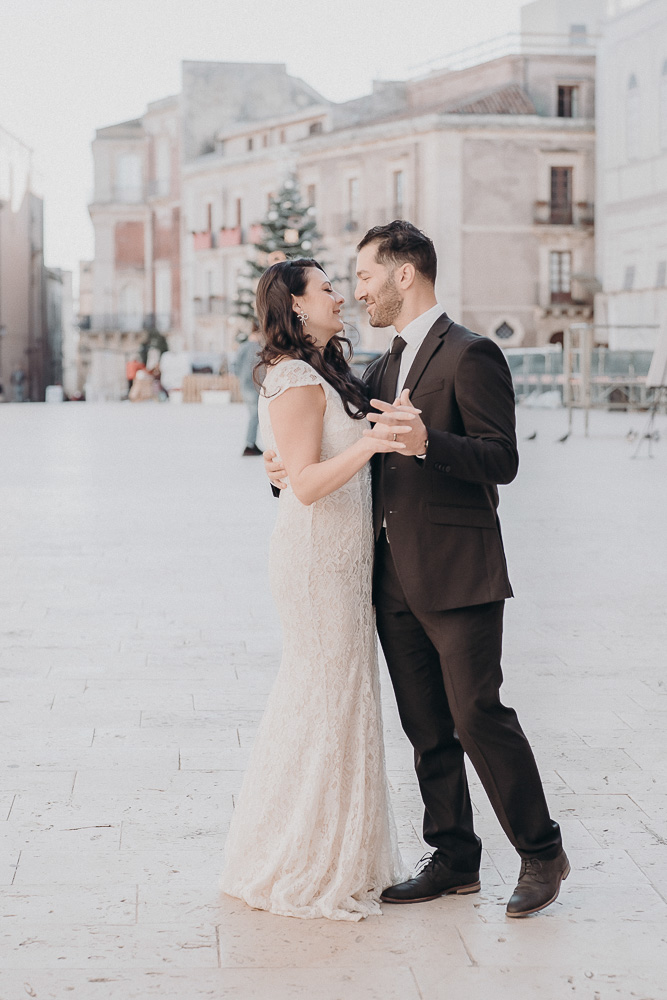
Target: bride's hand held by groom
396, 421
392, 416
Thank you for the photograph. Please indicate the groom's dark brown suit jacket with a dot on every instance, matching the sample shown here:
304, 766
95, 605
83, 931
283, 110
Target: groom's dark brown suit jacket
440, 512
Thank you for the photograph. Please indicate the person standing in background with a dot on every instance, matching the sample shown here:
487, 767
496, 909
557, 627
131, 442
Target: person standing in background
247, 358
131, 369
18, 381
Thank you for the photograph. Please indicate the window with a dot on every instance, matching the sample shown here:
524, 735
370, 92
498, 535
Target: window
315, 128
398, 193
209, 217
568, 102
129, 308
162, 298
661, 274
561, 196
283, 135
250, 144
310, 196
663, 106
265, 140
560, 275
629, 278
129, 187
239, 213
578, 34
504, 331
353, 204
632, 118
163, 165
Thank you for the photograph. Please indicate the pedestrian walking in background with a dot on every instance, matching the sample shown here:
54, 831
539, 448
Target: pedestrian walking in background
247, 357
18, 380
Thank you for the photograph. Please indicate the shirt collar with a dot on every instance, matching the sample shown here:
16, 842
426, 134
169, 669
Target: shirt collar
415, 332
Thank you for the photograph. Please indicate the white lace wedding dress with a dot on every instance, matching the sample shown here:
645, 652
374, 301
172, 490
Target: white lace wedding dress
313, 834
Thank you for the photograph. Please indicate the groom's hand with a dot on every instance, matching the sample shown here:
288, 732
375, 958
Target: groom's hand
416, 440
275, 470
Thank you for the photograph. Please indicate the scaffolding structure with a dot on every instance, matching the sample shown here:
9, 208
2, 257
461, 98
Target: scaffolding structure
597, 378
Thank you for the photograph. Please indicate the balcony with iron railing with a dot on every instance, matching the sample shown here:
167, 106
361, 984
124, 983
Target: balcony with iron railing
578, 213
210, 305
347, 224
120, 195
211, 240
126, 322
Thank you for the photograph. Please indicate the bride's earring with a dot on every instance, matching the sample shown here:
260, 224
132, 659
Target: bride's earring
303, 317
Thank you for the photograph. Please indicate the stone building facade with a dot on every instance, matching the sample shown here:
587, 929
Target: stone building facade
631, 219
495, 159
483, 159
134, 283
24, 344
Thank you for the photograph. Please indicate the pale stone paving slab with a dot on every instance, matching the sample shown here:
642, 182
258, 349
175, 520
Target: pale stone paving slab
137, 649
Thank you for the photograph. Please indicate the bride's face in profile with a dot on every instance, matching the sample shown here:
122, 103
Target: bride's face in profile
322, 304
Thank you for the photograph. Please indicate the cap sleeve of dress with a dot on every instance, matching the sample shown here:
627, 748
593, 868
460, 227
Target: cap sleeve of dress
287, 375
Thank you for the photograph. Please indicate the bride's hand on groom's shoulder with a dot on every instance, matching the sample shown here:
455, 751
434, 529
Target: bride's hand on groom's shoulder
275, 470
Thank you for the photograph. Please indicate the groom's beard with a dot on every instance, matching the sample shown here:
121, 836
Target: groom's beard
388, 304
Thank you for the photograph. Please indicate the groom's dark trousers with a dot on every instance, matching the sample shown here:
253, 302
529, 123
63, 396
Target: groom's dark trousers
440, 584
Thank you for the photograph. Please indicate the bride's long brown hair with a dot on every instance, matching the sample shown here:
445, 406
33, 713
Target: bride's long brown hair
286, 337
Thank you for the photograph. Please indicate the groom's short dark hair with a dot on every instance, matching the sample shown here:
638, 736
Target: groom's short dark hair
400, 242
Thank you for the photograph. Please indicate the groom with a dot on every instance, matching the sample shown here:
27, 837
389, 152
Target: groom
440, 577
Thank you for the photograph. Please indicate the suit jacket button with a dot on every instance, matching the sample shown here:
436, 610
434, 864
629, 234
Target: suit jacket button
448, 468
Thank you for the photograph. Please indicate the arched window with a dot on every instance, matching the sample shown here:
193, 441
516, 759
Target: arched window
663, 106
507, 331
632, 118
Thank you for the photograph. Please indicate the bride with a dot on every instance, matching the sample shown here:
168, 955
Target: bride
313, 834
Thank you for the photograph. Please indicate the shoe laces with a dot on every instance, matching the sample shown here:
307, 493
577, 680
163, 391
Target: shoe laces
533, 867
428, 860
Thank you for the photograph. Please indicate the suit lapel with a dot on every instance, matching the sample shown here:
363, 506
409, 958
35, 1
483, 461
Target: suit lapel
377, 376
431, 343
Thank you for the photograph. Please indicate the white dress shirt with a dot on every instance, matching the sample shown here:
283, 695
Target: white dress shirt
414, 335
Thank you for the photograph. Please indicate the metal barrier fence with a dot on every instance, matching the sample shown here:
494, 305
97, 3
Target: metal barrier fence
586, 376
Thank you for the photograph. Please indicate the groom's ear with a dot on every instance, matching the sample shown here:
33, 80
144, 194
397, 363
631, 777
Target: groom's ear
404, 275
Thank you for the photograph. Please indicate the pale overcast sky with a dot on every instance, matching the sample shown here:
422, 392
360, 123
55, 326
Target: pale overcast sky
68, 67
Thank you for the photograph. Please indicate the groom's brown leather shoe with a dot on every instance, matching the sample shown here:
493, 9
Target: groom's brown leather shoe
538, 885
434, 879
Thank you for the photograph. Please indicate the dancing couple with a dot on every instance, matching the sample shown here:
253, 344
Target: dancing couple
388, 498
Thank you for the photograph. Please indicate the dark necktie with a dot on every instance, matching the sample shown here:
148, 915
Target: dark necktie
387, 392
390, 377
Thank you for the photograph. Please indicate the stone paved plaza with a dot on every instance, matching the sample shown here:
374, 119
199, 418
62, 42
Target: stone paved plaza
137, 647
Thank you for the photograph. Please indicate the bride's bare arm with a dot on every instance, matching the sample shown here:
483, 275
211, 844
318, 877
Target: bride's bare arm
297, 417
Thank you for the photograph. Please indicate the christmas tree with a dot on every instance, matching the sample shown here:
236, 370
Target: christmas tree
289, 230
